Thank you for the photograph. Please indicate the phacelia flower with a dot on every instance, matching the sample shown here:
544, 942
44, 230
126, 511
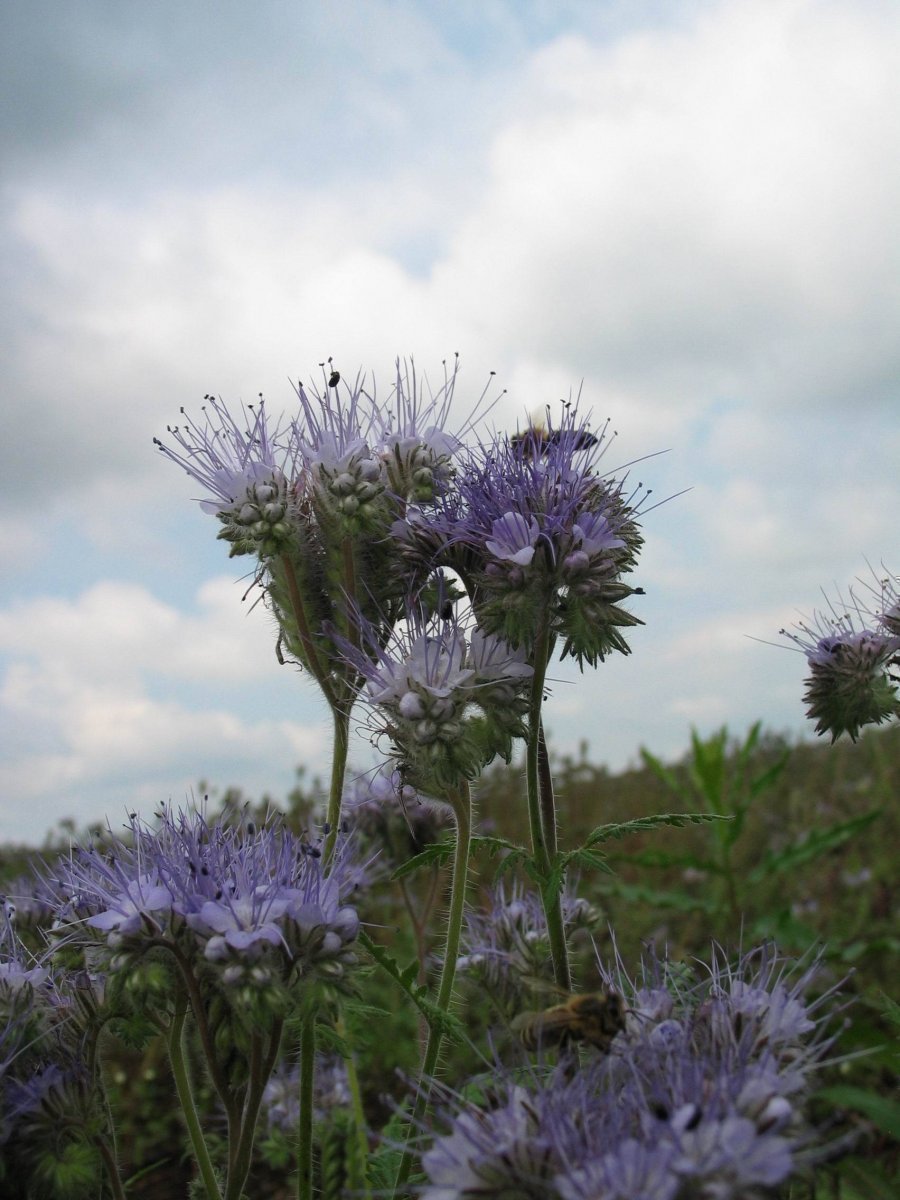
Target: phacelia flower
429, 690
390, 818
507, 946
849, 684
538, 534
237, 896
703, 1093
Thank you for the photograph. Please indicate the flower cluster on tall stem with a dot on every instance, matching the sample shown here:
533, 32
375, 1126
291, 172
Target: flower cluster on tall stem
853, 653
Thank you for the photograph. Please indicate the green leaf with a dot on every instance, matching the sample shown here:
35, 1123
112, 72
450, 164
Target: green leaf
511, 861
662, 772
819, 842
891, 1008
448, 1025
587, 860
708, 768
439, 854
605, 833
883, 1112
862, 1179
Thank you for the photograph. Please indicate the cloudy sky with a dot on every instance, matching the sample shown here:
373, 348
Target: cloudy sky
688, 207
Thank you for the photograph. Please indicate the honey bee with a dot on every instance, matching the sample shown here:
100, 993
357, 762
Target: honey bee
536, 440
594, 1018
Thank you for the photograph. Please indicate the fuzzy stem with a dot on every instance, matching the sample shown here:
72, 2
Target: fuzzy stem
261, 1067
542, 812
186, 1097
359, 1120
304, 632
305, 1124
112, 1168
462, 808
341, 717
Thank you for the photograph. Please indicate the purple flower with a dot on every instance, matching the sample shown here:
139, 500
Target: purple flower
507, 946
391, 817
233, 894
850, 649
241, 465
702, 1094
537, 534
413, 440
513, 538
428, 686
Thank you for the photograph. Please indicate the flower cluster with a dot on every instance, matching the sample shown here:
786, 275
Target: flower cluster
506, 942
253, 901
702, 1093
448, 697
316, 500
538, 534
851, 651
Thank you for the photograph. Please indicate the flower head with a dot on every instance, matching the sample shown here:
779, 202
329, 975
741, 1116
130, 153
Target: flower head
702, 1094
237, 896
849, 683
430, 690
536, 532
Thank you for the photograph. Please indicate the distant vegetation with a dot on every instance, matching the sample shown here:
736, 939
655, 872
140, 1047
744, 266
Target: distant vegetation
807, 858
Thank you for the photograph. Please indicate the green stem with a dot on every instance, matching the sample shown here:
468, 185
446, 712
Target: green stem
112, 1168
542, 812
186, 1097
341, 717
305, 633
261, 1067
305, 1125
359, 1119
462, 808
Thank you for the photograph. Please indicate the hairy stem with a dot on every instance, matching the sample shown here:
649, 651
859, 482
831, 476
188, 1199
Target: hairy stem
462, 808
305, 633
305, 1124
341, 717
542, 812
261, 1067
186, 1098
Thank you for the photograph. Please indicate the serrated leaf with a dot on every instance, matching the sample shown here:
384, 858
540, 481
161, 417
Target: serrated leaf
588, 860
494, 845
509, 863
819, 842
439, 853
880, 1110
605, 833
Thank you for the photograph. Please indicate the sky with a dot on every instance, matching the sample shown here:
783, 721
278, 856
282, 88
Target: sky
686, 209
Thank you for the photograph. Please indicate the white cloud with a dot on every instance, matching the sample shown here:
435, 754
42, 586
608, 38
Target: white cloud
81, 715
697, 219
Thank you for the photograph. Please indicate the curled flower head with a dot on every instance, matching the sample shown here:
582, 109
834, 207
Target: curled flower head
507, 946
414, 442
849, 683
538, 533
429, 690
243, 468
391, 817
237, 896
